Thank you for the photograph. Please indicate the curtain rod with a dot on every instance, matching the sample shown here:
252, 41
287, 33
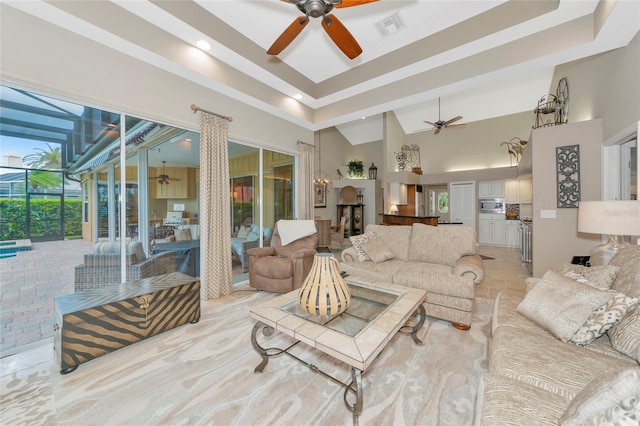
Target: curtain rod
304, 143
196, 108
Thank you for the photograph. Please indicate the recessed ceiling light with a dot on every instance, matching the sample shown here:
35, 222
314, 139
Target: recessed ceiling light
202, 44
297, 96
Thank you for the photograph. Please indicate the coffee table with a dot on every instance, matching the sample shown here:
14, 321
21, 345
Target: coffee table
377, 311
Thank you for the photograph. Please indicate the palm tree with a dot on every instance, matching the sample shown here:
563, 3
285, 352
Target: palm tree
44, 159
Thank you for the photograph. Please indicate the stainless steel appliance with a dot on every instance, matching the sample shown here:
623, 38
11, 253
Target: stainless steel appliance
491, 205
526, 248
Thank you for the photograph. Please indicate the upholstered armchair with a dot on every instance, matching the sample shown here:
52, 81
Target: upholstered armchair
102, 267
281, 267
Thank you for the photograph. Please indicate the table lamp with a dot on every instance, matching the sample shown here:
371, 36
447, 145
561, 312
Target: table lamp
393, 209
324, 292
613, 218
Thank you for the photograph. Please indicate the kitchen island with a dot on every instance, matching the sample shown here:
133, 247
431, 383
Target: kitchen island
396, 219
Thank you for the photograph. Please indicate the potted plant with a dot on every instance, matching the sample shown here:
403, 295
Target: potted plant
356, 168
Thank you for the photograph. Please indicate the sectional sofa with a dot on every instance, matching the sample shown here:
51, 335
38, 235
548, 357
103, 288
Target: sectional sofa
540, 373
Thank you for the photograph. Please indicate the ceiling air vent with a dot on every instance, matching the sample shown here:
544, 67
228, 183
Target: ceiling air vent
390, 25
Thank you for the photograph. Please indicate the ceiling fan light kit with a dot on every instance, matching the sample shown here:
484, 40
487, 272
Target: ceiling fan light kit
331, 24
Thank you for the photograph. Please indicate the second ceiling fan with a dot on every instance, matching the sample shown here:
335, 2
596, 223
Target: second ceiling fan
439, 125
331, 24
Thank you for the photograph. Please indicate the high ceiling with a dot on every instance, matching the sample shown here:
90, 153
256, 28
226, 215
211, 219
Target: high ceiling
482, 58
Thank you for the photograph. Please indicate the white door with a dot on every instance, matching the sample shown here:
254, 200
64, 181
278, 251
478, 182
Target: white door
462, 203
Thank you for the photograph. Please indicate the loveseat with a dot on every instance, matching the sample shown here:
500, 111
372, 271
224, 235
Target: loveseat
440, 260
539, 373
102, 267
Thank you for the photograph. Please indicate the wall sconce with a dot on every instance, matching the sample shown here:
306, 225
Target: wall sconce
373, 171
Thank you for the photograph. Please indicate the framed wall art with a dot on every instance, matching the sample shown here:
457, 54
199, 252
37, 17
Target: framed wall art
568, 175
320, 195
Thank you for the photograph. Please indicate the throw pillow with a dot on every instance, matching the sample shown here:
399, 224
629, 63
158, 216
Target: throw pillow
609, 399
625, 335
358, 240
243, 232
602, 276
377, 250
253, 236
561, 305
603, 318
182, 234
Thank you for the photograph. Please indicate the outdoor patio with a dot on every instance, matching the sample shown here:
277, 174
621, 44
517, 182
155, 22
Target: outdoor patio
29, 283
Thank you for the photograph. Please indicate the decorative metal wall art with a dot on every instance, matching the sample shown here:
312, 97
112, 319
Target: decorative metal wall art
408, 158
568, 173
553, 109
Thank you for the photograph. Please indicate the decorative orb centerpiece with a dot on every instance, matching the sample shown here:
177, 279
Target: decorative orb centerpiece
324, 292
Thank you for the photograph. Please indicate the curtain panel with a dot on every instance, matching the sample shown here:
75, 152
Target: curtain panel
305, 173
216, 278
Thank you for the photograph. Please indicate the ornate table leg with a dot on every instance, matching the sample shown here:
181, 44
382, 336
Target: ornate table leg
267, 331
414, 330
421, 313
356, 387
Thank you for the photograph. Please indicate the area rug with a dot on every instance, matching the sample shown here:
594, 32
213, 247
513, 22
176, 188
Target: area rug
203, 374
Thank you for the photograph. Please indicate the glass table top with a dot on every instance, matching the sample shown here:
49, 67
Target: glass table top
366, 305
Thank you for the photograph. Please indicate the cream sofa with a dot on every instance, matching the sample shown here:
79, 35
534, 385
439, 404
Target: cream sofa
534, 378
440, 260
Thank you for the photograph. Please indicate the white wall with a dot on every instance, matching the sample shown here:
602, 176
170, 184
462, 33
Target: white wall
556, 240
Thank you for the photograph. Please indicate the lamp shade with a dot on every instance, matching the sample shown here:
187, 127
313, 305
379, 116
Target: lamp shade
621, 217
324, 292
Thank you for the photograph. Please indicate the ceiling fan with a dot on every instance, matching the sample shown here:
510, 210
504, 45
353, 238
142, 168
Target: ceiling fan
164, 178
439, 125
331, 24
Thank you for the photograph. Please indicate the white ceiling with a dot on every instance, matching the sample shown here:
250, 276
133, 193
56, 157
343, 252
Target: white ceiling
483, 58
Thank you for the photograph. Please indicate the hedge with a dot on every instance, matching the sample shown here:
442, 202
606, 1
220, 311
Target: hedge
44, 218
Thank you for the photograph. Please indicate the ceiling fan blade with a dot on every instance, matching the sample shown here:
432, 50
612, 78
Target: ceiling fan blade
438, 130
288, 35
431, 124
451, 126
341, 36
453, 120
349, 3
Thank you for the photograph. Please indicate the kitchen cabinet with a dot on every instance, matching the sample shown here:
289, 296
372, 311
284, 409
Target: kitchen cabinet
491, 189
398, 193
518, 191
178, 189
512, 233
491, 229
525, 187
512, 190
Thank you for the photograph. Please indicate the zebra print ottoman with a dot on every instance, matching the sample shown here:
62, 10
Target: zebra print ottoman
99, 321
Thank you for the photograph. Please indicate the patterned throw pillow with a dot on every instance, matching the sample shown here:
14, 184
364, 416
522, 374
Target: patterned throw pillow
602, 276
561, 305
612, 399
603, 318
358, 240
625, 335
